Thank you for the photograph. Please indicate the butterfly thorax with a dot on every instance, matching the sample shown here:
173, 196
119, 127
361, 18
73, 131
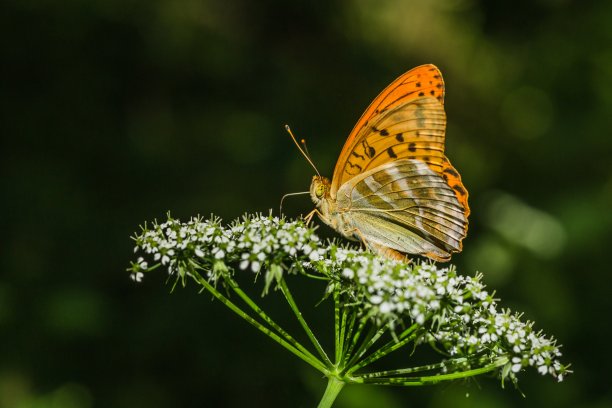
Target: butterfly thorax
328, 212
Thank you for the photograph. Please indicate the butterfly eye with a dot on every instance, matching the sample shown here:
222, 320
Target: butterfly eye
320, 191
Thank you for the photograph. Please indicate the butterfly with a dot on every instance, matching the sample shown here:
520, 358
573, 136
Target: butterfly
393, 188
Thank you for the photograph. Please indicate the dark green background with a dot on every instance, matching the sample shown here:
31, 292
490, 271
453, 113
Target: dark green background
114, 112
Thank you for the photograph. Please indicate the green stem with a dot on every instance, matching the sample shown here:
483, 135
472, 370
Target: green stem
334, 385
290, 344
355, 338
380, 353
342, 335
368, 342
338, 340
266, 318
410, 370
348, 337
298, 315
433, 379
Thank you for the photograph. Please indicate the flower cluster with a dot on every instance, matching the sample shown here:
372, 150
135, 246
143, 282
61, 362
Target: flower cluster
455, 312
255, 243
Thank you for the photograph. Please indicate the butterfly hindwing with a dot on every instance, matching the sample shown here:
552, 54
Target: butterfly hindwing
406, 206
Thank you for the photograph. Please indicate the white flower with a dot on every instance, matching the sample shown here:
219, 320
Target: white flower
136, 276
385, 307
375, 299
348, 273
455, 311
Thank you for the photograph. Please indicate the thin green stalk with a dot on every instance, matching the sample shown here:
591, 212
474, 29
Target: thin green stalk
298, 314
383, 351
355, 339
410, 370
334, 386
236, 288
427, 380
347, 338
337, 326
365, 346
291, 346
402, 335
395, 343
341, 335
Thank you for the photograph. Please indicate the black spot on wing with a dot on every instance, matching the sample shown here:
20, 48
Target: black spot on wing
451, 171
459, 189
353, 167
368, 150
391, 153
399, 137
412, 147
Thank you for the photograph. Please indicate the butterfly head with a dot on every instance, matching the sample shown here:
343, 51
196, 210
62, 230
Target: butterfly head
319, 189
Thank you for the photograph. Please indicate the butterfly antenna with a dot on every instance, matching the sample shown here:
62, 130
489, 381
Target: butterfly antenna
304, 152
287, 195
303, 143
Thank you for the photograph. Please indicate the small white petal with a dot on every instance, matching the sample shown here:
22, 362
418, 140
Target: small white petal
375, 299
385, 307
137, 277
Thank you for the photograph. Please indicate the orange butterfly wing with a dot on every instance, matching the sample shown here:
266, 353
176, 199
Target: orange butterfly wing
405, 121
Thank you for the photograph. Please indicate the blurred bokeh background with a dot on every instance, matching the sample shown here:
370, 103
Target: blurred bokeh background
115, 111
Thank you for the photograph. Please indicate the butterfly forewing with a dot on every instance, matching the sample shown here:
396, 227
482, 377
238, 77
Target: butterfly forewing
423, 81
413, 130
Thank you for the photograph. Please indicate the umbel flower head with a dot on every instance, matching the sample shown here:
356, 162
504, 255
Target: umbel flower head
417, 302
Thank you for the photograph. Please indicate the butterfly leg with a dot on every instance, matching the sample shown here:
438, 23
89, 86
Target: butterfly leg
356, 231
311, 214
